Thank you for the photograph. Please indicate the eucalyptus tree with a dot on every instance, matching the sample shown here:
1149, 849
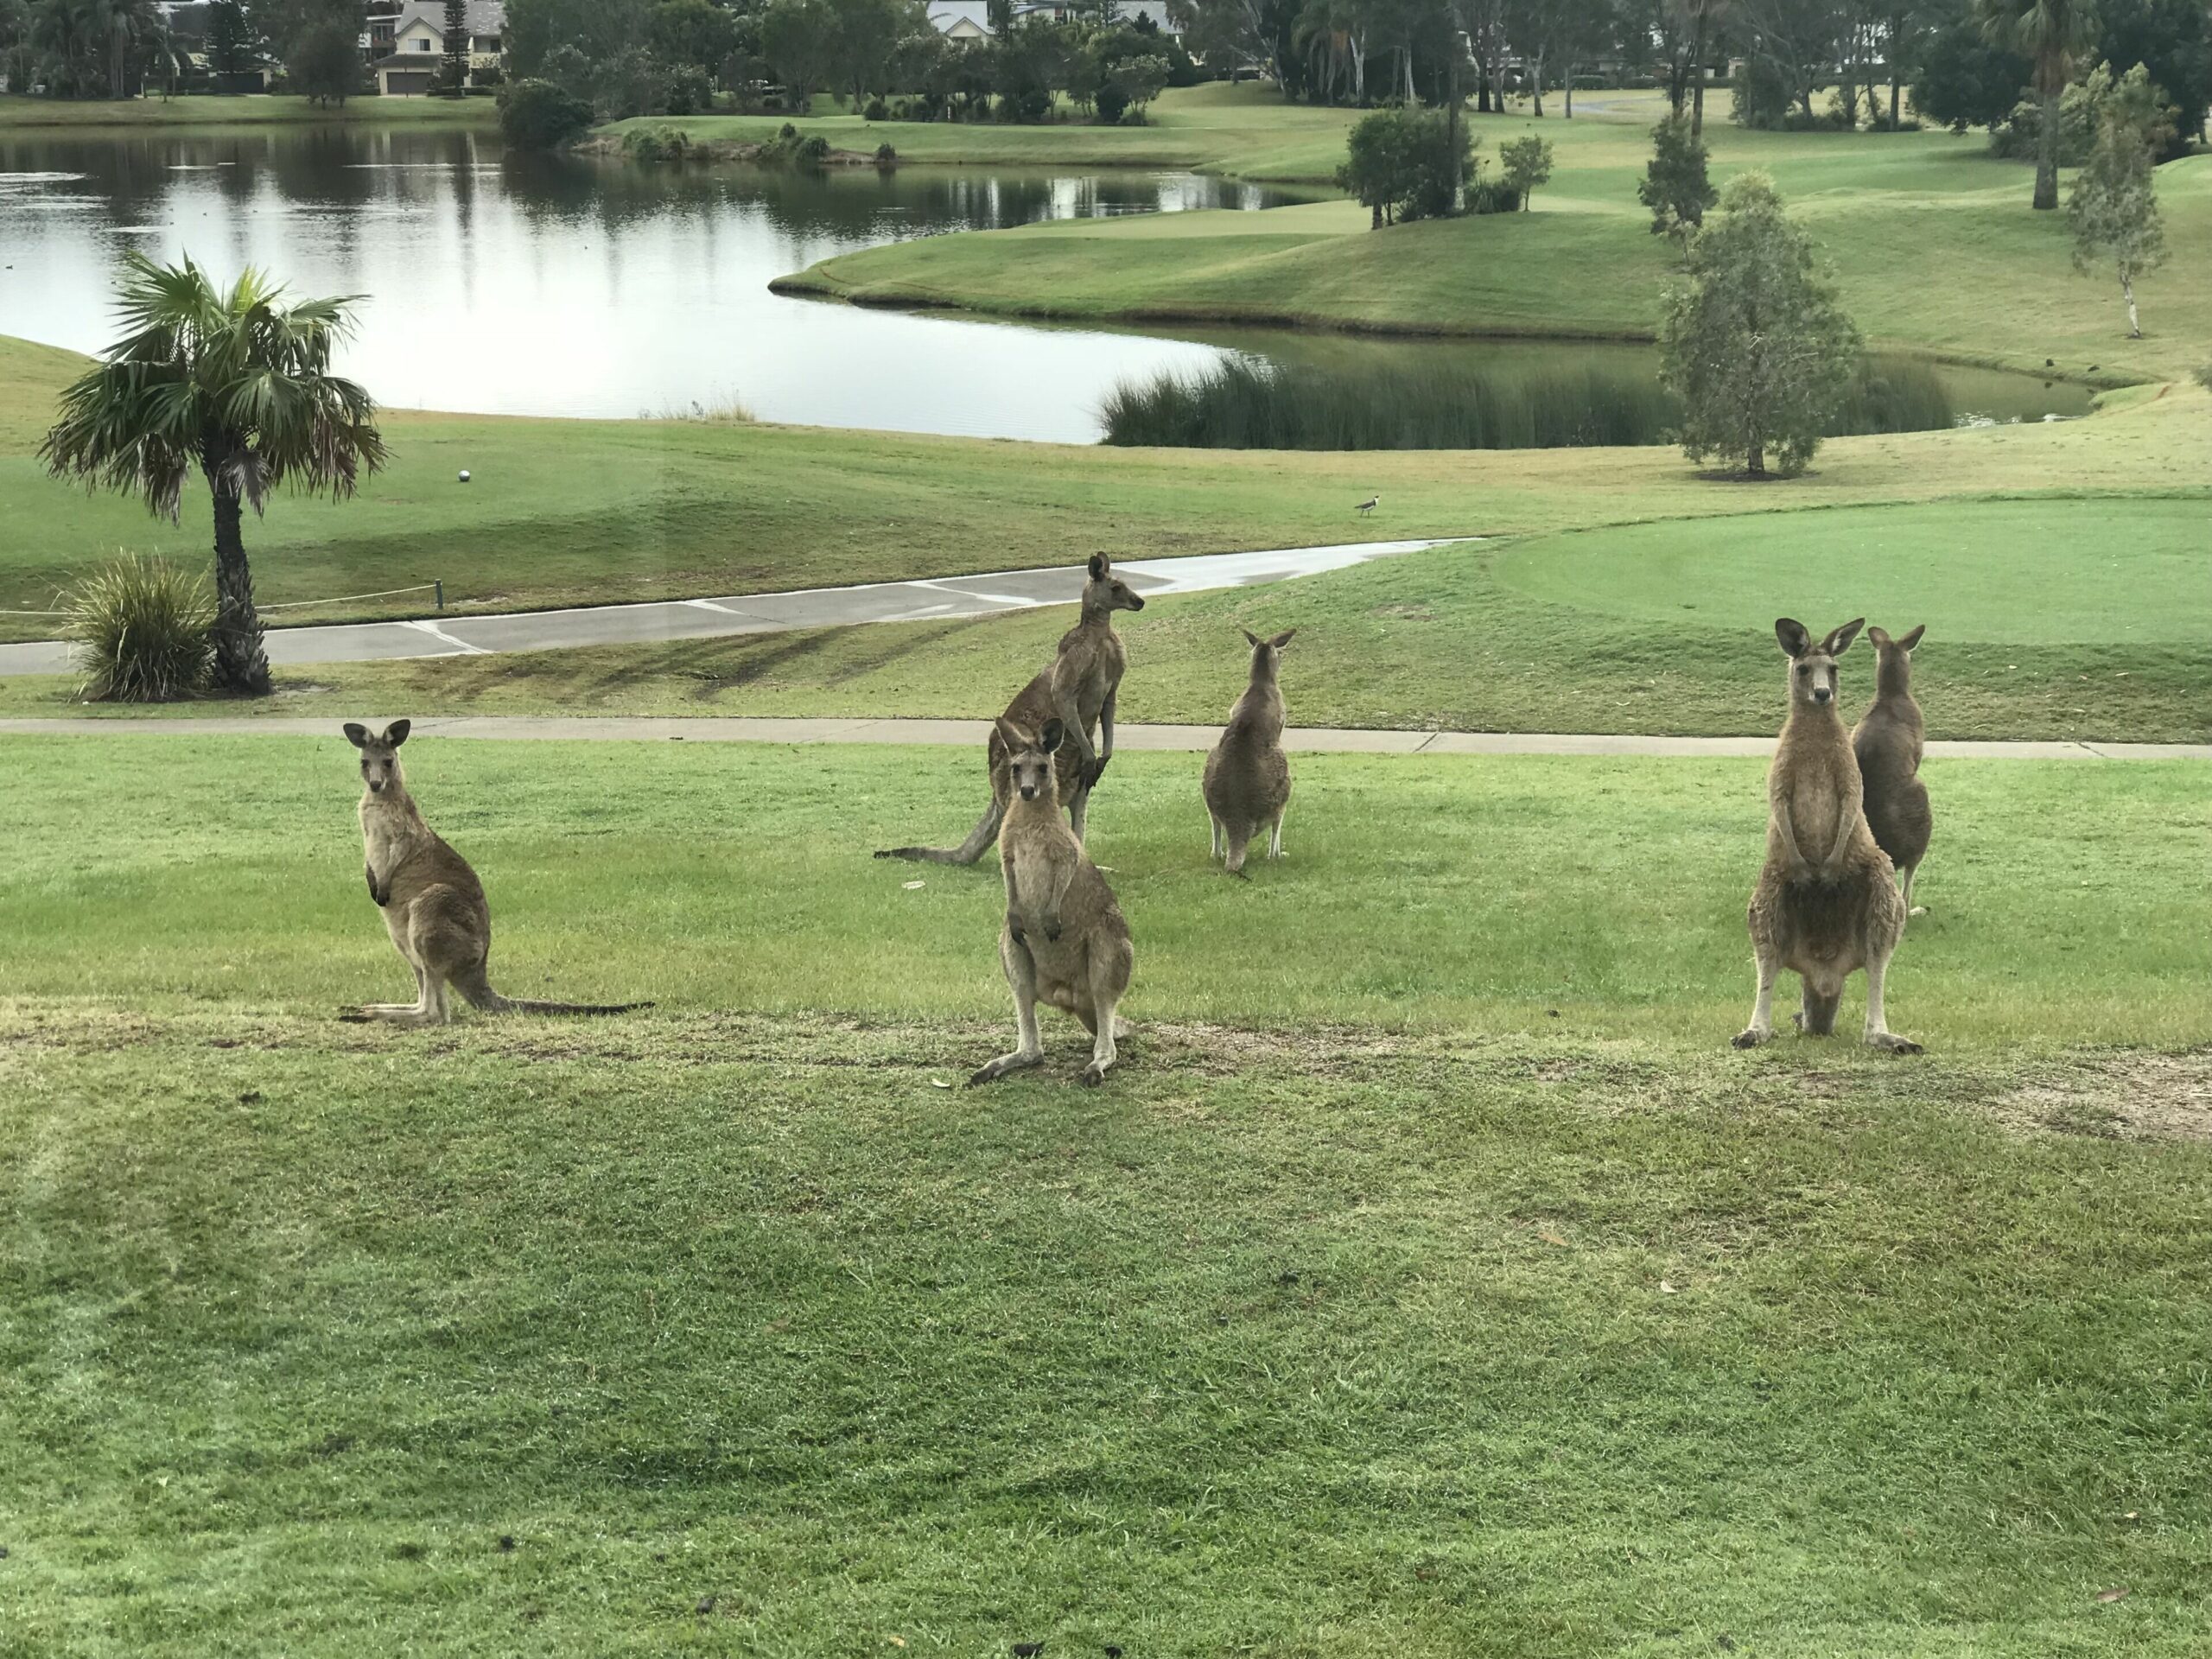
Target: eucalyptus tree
234, 385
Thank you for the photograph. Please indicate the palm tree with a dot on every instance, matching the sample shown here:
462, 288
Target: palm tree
237, 384
2051, 33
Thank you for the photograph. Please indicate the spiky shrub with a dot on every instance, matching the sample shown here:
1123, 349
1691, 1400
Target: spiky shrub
141, 630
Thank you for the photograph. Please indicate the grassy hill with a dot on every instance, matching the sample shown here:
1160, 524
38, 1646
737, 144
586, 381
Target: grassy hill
1933, 244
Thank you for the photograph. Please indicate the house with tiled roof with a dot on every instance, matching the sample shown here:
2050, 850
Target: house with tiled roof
417, 42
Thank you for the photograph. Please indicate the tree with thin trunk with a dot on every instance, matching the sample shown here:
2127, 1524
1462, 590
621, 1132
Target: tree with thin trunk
235, 386
2114, 205
1753, 341
2051, 34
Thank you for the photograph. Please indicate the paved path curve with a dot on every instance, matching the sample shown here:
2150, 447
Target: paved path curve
942, 598
1309, 739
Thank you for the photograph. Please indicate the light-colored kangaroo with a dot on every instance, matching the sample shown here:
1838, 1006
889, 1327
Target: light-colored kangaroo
1078, 690
1247, 782
1065, 942
1827, 901
433, 905
1888, 744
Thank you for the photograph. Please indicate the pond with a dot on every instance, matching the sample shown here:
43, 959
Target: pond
538, 286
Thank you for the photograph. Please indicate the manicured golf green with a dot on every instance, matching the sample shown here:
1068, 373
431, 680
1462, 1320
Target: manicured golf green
2049, 572
1432, 1279
1934, 245
2048, 618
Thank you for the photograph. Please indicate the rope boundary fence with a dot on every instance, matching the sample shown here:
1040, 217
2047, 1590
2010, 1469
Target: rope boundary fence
438, 587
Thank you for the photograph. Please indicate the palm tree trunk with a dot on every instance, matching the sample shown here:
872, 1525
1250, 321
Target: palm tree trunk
2047, 153
2128, 292
240, 661
1697, 79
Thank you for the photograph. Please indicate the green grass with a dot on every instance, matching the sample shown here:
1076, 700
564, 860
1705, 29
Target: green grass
1240, 131
581, 511
255, 109
2078, 618
1934, 244
1370, 1310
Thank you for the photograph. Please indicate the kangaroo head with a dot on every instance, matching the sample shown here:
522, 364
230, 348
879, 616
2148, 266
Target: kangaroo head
1893, 658
1265, 651
1812, 664
1105, 591
379, 754
1029, 759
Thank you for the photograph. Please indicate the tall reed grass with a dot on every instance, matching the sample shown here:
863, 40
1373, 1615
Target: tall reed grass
1243, 402
141, 631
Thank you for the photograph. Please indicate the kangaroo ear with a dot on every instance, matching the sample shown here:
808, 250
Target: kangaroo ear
1250, 638
1796, 641
1098, 567
1839, 642
1283, 639
396, 734
1016, 739
1913, 638
357, 735
1050, 738
1878, 637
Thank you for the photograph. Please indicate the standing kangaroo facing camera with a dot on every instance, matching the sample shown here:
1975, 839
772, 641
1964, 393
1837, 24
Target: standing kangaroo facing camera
1247, 782
1078, 690
1827, 901
433, 905
1888, 744
1065, 942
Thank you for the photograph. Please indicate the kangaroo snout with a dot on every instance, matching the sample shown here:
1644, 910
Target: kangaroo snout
1821, 694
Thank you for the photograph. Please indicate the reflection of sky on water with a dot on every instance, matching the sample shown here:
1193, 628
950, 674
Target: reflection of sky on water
574, 289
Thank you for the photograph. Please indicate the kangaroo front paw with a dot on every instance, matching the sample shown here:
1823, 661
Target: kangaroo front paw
1753, 1036
1092, 1076
1890, 1043
1004, 1064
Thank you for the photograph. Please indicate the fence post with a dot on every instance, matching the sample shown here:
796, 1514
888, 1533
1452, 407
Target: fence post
442, 593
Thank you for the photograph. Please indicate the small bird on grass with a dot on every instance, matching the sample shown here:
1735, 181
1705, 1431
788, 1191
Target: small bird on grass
1369, 505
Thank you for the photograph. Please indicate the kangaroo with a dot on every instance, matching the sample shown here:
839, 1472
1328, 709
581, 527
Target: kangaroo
1826, 899
433, 905
1078, 690
1247, 782
1888, 744
1063, 942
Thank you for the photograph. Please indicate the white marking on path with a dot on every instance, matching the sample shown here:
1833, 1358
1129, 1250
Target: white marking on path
462, 647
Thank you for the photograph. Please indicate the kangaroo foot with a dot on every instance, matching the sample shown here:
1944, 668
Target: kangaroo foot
1890, 1043
1017, 1061
1753, 1036
1917, 909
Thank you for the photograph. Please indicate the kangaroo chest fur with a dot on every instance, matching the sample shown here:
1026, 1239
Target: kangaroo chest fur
391, 831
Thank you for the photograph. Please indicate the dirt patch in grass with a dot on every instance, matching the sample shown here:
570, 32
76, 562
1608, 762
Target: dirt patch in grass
2125, 1095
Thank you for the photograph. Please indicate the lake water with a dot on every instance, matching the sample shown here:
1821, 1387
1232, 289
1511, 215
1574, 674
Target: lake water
539, 286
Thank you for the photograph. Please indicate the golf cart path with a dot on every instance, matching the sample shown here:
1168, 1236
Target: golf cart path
939, 599
1310, 739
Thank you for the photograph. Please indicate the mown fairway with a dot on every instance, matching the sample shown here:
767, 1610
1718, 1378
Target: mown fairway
1433, 1280
2047, 618
1933, 242
207, 113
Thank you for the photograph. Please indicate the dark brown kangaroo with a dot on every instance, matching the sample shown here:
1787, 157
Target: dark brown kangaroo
433, 905
1078, 690
1247, 782
1827, 901
1888, 744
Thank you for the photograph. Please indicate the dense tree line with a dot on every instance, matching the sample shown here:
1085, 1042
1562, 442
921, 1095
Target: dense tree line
122, 48
651, 57
1803, 63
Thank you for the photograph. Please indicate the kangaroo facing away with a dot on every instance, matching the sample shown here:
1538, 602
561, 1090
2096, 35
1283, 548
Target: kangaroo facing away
433, 905
1078, 690
1247, 782
1063, 942
1827, 901
1888, 744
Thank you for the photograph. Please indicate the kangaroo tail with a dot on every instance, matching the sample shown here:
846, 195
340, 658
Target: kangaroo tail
477, 987
979, 840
